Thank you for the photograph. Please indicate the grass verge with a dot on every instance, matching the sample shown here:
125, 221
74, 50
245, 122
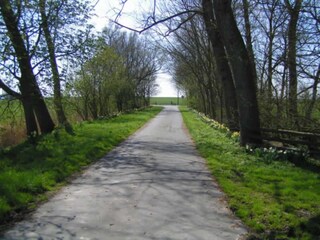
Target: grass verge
27, 171
275, 199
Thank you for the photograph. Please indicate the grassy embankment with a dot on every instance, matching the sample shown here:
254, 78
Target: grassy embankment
167, 101
27, 171
12, 122
12, 125
274, 198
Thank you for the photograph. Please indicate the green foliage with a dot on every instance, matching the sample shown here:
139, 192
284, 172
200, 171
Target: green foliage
274, 198
27, 171
95, 92
119, 76
298, 155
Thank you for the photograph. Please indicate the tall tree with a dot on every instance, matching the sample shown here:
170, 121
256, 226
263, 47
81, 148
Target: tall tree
294, 11
269, 22
57, 97
35, 109
248, 36
223, 69
241, 68
193, 51
140, 59
313, 99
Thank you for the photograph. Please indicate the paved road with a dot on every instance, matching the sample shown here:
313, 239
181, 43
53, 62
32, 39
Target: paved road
153, 186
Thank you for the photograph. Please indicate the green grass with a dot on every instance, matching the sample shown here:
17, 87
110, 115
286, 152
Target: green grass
10, 111
275, 199
167, 101
27, 171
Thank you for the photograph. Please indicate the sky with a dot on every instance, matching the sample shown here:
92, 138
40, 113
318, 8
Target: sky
107, 10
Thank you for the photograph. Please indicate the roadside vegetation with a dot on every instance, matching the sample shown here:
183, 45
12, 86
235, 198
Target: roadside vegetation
60, 63
29, 170
108, 78
56, 72
262, 72
275, 199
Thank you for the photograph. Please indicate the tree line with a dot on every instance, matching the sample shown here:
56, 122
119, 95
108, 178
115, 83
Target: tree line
49, 50
248, 64
118, 75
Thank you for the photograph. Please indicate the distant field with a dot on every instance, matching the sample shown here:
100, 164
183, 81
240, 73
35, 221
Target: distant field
168, 101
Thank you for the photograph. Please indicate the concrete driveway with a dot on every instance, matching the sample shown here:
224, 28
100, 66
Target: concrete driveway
153, 186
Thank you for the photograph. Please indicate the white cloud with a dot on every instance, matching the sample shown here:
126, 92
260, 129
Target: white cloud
166, 87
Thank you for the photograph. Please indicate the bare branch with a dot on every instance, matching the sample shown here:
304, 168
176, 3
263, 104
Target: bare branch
119, 13
34, 49
9, 90
180, 24
154, 9
193, 13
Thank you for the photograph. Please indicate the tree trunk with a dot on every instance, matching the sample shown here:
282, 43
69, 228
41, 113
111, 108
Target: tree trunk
203, 107
210, 106
213, 105
33, 102
281, 104
241, 68
248, 36
31, 123
270, 72
57, 97
223, 69
292, 55
314, 95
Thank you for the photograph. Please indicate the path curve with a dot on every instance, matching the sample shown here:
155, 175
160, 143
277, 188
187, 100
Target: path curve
152, 186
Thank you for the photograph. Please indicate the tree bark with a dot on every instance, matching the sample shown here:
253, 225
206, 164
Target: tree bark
248, 36
270, 69
292, 63
314, 95
241, 68
33, 103
57, 96
224, 72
